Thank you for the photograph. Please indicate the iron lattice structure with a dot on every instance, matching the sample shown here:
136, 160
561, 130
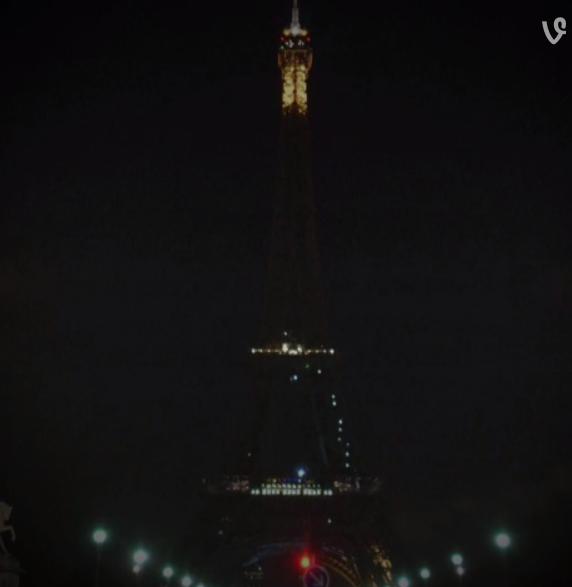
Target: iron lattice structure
298, 485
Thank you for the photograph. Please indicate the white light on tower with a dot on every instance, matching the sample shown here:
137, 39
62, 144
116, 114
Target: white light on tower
186, 581
136, 568
301, 473
168, 572
457, 559
425, 574
460, 571
403, 582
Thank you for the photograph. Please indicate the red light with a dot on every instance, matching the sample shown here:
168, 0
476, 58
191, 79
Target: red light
305, 561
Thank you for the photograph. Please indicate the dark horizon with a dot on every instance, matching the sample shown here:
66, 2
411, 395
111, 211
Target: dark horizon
138, 165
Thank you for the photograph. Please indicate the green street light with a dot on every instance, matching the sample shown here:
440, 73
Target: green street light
168, 572
186, 581
403, 582
502, 540
140, 557
99, 537
425, 574
457, 559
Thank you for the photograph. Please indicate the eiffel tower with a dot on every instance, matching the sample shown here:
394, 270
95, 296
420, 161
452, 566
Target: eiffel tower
297, 496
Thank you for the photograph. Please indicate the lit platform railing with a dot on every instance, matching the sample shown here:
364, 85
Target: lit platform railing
292, 487
287, 348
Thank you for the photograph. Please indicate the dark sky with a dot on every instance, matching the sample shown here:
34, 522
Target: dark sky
137, 169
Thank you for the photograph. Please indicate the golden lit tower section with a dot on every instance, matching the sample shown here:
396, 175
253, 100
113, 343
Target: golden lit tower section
294, 308
295, 60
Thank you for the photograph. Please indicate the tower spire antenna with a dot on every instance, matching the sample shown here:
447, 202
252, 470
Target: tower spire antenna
295, 26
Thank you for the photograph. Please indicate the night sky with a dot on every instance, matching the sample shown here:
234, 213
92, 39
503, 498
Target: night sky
138, 166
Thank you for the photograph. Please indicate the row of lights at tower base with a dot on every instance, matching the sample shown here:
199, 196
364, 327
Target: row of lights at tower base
287, 486
290, 349
292, 491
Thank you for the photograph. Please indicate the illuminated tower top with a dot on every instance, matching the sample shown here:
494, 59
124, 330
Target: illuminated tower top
294, 308
295, 61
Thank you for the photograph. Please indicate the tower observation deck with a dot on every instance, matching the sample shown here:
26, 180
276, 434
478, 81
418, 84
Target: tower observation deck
297, 485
